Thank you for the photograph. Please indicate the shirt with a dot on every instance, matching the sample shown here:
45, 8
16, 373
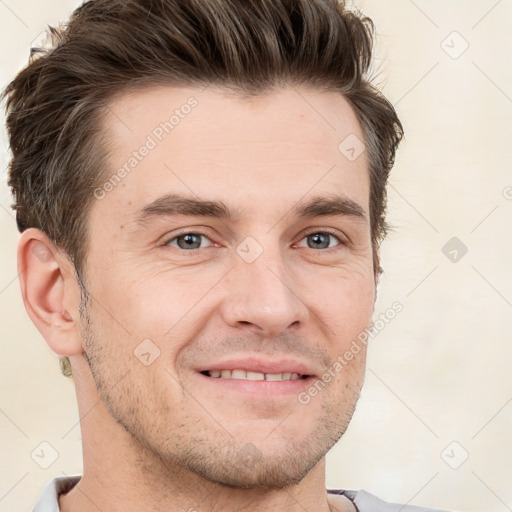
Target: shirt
363, 501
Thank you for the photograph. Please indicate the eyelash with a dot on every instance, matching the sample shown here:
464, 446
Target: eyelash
341, 242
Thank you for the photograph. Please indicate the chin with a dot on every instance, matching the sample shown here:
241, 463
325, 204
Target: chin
277, 462
248, 473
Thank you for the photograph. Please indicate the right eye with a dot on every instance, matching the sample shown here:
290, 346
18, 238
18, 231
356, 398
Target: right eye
189, 241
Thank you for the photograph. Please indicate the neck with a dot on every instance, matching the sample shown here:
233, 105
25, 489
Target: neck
141, 488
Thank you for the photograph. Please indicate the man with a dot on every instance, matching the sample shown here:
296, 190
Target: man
200, 187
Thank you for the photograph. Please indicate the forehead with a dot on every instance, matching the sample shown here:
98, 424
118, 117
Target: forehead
274, 148
218, 114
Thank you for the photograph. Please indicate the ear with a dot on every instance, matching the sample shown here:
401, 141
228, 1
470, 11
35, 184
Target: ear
50, 291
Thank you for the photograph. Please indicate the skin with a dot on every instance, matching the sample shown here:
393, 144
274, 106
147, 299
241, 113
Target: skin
161, 437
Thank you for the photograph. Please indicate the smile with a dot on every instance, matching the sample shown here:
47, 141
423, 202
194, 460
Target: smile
249, 375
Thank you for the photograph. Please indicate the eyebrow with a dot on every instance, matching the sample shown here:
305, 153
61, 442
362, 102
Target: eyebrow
170, 205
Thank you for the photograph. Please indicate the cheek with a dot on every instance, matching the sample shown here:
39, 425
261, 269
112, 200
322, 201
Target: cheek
136, 305
349, 368
344, 300
150, 319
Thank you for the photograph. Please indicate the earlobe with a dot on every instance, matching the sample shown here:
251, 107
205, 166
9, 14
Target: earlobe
50, 292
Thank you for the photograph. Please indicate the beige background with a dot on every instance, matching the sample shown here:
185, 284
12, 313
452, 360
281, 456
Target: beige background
440, 371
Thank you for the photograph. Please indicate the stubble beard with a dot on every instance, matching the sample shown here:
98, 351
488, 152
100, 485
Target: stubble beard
213, 455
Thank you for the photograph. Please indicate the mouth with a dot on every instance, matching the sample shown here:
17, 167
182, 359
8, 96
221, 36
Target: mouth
239, 374
261, 377
257, 385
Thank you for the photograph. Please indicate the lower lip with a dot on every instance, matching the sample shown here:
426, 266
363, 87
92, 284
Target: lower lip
261, 387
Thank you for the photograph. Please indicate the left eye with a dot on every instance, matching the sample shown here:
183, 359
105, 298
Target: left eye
321, 240
189, 241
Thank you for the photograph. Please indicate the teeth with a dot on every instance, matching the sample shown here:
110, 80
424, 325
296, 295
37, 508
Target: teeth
248, 375
253, 375
238, 374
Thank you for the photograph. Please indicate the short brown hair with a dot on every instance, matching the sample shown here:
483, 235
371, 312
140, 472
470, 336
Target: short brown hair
55, 104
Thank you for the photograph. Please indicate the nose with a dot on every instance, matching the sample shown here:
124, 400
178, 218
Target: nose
262, 296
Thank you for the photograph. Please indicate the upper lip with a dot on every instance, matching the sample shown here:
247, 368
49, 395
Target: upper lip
260, 365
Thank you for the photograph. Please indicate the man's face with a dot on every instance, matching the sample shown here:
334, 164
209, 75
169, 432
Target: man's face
270, 289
